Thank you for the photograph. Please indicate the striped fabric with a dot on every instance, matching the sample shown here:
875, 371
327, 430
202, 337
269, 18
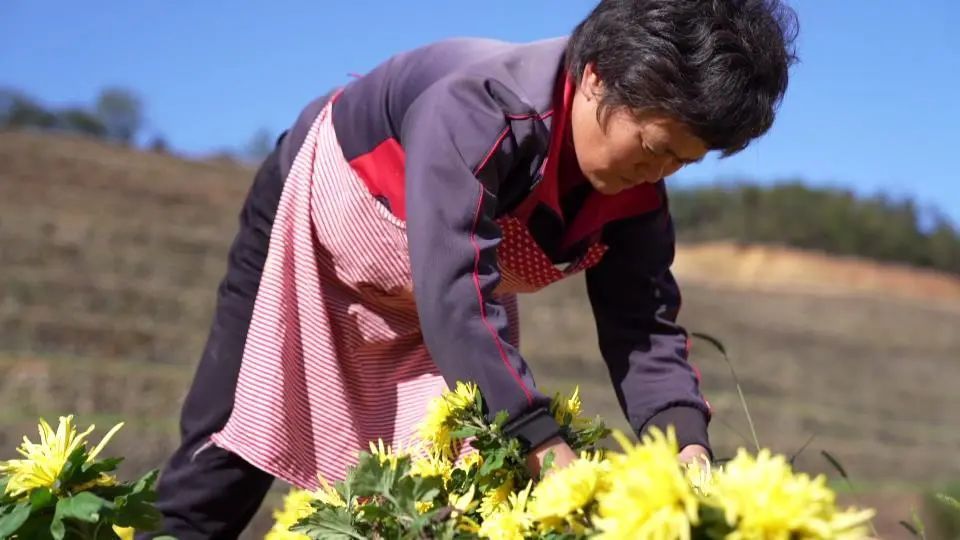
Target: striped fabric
334, 358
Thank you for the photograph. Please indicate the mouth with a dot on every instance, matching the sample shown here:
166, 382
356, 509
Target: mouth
638, 181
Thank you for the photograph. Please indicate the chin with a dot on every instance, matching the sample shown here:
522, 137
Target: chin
611, 190
607, 188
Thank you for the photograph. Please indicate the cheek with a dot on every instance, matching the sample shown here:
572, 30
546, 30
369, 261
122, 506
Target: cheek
625, 154
592, 148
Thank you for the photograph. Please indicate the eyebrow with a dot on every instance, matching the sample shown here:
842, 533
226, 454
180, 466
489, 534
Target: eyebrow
685, 161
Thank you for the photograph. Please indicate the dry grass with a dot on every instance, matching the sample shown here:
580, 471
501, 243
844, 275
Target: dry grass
782, 268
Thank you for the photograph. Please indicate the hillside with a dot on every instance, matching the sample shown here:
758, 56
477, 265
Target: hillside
110, 260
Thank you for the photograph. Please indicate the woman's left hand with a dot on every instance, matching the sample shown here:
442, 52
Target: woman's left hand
693, 452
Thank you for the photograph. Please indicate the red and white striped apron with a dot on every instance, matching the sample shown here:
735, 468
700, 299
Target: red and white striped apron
334, 356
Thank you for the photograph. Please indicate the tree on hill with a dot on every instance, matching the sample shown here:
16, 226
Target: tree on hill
259, 146
830, 220
19, 111
121, 112
117, 115
80, 121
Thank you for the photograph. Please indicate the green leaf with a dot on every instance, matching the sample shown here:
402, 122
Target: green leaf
949, 501
493, 462
465, 432
500, 419
836, 464
713, 524
736, 380
547, 463
91, 471
427, 489
910, 528
711, 340
83, 506
103, 465
374, 512
403, 494
458, 477
918, 523
37, 527
795, 455
137, 509
372, 477
41, 498
329, 524
11, 522
144, 485
478, 402
411, 490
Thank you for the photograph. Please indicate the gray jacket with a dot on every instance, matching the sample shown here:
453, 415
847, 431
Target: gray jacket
429, 126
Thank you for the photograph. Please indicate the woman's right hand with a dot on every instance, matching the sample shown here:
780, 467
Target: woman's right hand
563, 455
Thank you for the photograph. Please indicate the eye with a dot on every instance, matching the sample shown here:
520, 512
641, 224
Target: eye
651, 150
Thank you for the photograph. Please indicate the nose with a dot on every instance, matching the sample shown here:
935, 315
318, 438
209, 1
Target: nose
670, 167
662, 168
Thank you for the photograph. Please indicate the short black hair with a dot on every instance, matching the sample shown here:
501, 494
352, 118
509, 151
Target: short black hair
719, 66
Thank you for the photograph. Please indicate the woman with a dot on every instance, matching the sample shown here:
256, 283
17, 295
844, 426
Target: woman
383, 243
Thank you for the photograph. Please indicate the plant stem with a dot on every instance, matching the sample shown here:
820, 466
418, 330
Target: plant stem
743, 401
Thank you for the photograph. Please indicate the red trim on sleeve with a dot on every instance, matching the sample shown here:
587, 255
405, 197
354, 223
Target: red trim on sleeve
492, 151
483, 310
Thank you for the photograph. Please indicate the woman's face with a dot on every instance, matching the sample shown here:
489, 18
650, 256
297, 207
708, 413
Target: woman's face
628, 149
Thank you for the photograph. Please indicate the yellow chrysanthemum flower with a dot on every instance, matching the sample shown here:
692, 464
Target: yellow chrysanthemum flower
462, 397
296, 506
432, 465
125, 533
470, 460
423, 507
495, 499
566, 410
699, 473
327, 494
762, 498
386, 454
559, 499
435, 429
102, 480
509, 522
464, 503
44, 461
648, 496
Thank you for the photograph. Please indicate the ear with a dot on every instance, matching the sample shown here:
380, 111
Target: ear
590, 83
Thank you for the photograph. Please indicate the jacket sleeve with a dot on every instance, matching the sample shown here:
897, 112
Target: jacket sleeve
636, 300
458, 149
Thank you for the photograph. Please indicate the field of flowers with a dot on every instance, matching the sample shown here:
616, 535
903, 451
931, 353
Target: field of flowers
639, 491
464, 479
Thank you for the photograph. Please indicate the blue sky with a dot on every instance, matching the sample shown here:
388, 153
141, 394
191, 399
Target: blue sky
872, 106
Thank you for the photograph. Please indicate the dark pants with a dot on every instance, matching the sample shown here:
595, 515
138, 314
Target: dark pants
204, 491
